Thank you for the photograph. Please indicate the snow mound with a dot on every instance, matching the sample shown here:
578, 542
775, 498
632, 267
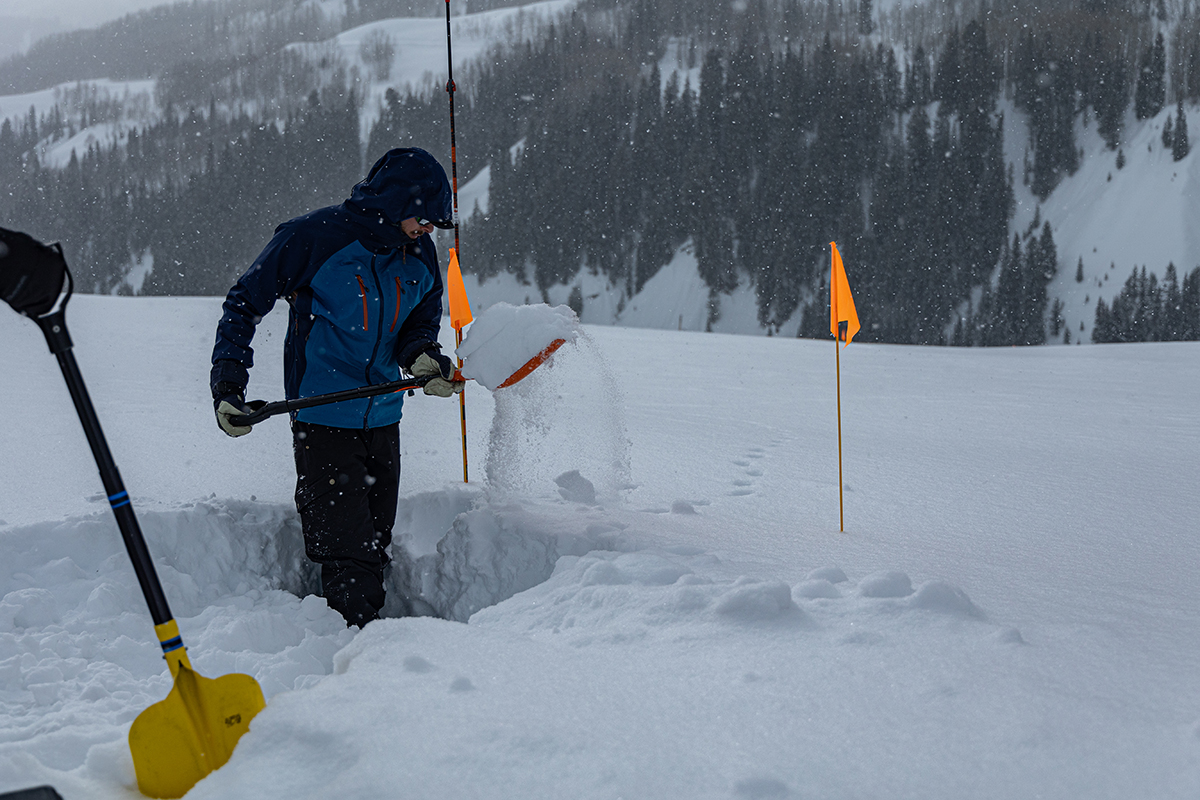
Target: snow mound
816, 588
618, 597
944, 598
886, 584
506, 337
575, 488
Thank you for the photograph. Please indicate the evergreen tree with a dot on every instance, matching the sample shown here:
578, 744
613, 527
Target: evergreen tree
1172, 322
949, 68
1102, 328
1150, 94
1008, 325
917, 88
865, 24
1179, 143
1110, 95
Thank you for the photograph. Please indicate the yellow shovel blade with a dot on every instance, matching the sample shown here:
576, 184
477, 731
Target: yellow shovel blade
179, 740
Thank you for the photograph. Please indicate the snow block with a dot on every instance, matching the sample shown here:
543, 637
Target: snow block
750, 600
886, 584
945, 598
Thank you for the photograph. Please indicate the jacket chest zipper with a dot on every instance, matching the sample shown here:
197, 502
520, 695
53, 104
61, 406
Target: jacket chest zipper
396, 316
378, 335
362, 292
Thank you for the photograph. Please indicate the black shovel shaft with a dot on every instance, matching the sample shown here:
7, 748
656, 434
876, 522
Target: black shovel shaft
118, 498
284, 406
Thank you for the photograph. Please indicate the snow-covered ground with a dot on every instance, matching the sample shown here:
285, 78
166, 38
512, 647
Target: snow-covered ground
646, 587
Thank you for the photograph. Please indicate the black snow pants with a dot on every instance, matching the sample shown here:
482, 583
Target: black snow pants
347, 484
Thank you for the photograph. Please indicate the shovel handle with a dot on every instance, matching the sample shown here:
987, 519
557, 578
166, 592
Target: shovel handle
284, 406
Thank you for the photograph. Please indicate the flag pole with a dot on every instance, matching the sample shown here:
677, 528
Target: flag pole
838, 359
450, 88
841, 309
462, 405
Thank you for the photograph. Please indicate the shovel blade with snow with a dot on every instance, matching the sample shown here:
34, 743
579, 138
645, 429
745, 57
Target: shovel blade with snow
179, 740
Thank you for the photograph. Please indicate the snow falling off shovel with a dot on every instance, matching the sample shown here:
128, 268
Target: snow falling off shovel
179, 740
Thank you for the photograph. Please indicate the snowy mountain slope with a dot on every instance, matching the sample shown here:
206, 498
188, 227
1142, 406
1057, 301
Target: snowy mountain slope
419, 62
1011, 613
1147, 214
135, 97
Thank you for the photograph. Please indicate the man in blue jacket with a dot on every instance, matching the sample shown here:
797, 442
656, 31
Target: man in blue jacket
365, 292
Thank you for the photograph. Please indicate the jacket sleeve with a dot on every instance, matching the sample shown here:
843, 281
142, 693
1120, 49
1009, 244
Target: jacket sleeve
276, 273
424, 322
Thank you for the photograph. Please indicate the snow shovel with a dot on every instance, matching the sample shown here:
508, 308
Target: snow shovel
179, 740
262, 412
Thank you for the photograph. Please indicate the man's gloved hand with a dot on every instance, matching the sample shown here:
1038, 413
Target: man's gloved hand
432, 362
230, 400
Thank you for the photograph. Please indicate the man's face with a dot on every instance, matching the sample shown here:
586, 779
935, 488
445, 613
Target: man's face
413, 228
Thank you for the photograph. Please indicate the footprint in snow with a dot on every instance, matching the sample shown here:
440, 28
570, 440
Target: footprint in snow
761, 788
749, 469
417, 664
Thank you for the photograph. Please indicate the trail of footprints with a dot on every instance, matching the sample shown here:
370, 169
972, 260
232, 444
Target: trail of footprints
750, 466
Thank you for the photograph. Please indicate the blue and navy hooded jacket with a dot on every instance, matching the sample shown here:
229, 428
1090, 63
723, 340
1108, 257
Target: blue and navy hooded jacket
365, 299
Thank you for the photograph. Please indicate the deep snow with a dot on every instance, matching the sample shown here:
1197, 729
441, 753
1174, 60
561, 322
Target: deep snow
1011, 613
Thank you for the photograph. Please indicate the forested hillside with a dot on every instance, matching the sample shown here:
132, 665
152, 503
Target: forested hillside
759, 132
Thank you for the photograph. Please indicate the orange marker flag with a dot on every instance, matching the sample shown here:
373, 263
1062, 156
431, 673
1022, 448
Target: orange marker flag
841, 303
460, 308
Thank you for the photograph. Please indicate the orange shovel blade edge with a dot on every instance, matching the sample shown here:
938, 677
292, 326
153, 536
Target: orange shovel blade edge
533, 363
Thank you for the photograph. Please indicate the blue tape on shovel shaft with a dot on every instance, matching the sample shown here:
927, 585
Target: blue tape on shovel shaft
172, 644
119, 499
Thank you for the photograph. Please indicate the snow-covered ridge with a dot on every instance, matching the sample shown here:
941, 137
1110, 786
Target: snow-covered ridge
419, 59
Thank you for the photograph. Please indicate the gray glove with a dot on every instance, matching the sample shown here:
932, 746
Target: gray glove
432, 362
230, 401
226, 409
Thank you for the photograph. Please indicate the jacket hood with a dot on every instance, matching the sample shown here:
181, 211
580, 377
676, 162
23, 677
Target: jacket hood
406, 182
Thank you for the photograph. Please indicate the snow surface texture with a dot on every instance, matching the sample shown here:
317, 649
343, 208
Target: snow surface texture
506, 337
1012, 612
